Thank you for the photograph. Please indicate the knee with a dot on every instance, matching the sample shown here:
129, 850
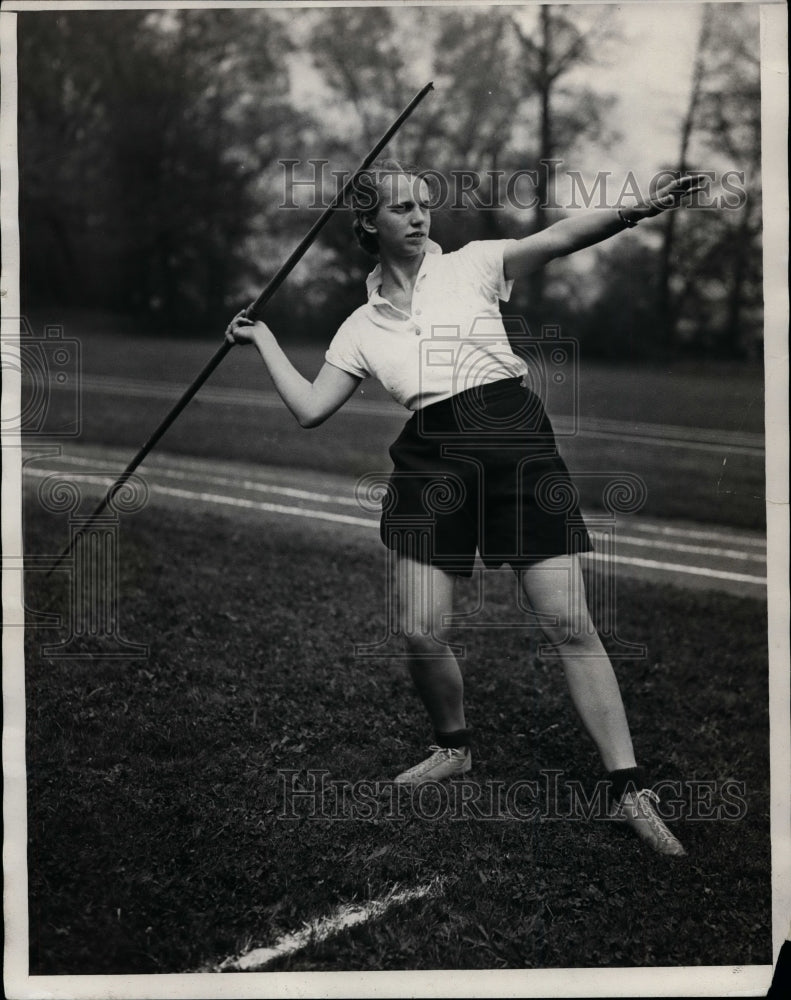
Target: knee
570, 628
424, 643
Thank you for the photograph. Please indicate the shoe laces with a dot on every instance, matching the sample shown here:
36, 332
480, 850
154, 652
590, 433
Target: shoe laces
449, 751
429, 762
646, 801
644, 813
641, 800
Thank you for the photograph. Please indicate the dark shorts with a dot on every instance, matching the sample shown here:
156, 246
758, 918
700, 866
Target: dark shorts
481, 470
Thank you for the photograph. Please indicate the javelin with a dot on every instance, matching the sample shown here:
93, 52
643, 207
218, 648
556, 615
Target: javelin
275, 282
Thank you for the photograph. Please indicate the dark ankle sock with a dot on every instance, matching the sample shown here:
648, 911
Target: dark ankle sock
458, 738
627, 779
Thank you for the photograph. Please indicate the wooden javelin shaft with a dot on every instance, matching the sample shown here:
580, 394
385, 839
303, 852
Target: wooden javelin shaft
252, 310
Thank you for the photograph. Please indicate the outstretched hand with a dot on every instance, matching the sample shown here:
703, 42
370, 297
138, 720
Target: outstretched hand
672, 194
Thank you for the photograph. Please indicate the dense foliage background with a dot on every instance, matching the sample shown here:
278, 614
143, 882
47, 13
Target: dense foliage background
151, 184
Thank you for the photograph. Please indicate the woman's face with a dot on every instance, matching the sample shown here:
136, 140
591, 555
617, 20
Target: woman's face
403, 218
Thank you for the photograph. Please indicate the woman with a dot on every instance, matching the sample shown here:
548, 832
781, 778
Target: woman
473, 460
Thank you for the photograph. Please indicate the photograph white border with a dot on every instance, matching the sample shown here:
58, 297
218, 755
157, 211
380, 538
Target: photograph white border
689, 981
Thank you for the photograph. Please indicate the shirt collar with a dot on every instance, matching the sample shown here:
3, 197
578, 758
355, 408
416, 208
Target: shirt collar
374, 280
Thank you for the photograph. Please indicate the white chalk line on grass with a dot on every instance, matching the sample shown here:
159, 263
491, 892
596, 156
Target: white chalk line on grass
273, 508
707, 550
348, 915
715, 574
200, 469
367, 522
226, 501
346, 501
656, 529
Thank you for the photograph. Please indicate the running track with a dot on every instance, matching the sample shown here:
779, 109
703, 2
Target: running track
304, 501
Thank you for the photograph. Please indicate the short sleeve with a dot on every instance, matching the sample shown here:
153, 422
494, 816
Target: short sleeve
344, 352
484, 259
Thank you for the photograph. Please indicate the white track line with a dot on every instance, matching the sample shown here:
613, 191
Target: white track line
247, 484
272, 508
226, 501
715, 574
319, 930
367, 522
656, 529
254, 486
708, 550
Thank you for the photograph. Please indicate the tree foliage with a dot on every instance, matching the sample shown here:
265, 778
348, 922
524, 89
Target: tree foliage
727, 129
708, 290
151, 184
139, 153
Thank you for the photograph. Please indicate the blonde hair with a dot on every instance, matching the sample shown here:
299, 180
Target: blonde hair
366, 196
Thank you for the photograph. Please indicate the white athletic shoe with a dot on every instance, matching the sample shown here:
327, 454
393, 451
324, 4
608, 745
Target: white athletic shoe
444, 762
637, 809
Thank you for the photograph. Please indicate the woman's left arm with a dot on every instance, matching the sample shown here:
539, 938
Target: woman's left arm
580, 231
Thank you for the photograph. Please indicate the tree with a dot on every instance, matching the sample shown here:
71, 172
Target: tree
729, 127
502, 81
566, 115
709, 294
666, 304
141, 145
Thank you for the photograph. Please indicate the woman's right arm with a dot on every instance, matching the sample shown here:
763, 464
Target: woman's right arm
310, 402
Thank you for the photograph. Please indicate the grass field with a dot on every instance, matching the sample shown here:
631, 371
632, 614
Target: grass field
160, 836
720, 486
158, 841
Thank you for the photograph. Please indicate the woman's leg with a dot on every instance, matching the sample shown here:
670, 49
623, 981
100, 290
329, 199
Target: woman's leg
425, 597
555, 587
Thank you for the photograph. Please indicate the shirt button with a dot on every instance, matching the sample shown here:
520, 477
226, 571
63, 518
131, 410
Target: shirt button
418, 312
418, 331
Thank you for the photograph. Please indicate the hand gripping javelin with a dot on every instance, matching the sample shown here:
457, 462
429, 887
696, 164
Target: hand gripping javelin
252, 310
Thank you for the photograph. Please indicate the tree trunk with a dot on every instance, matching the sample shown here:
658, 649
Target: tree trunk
544, 82
733, 326
665, 302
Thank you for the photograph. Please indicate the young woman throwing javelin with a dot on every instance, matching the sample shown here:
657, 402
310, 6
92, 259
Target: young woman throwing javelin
475, 459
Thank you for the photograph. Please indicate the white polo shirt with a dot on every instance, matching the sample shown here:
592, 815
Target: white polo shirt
453, 338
